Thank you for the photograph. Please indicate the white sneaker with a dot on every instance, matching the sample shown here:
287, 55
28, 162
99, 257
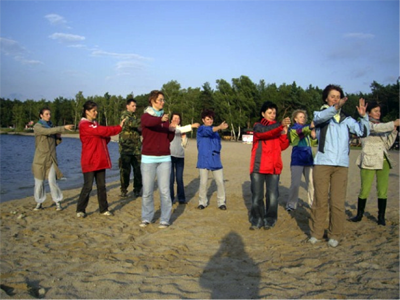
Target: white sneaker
81, 214
38, 206
333, 243
313, 240
163, 225
144, 224
107, 213
58, 206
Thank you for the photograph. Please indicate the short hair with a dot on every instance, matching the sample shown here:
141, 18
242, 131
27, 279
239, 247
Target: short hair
298, 111
207, 113
176, 114
329, 88
129, 101
154, 95
372, 105
88, 106
267, 105
43, 110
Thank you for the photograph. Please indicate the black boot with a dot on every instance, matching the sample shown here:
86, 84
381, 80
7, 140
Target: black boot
360, 210
381, 212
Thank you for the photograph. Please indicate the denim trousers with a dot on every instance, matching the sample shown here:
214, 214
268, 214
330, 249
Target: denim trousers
219, 180
177, 165
40, 192
149, 173
88, 179
262, 214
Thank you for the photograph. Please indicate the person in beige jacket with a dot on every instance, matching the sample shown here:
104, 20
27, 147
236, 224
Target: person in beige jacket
375, 160
45, 164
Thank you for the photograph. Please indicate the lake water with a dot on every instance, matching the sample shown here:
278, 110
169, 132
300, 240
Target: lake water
16, 156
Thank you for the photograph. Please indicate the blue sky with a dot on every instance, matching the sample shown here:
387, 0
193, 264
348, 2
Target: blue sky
58, 48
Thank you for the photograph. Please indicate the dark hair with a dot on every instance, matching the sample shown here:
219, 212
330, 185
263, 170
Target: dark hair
372, 105
154, 95
88, 106
207, 113
42, 111
176, 114
268, 105
129, 101
329, 88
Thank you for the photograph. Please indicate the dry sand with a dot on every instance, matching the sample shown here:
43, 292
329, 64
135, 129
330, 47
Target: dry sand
205, 253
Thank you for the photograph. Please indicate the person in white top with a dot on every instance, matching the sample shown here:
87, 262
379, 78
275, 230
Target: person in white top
177, 148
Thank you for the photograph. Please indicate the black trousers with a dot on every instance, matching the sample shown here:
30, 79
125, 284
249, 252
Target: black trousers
88, 179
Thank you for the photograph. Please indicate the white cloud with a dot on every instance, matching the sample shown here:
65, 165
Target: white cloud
18, 52
119, 55
56, 20
128, 67
359, 35
25, 61
66, 37
11, 47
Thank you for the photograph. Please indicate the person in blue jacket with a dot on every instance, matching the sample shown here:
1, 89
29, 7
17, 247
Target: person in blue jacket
209, 158
331, 163
302, 137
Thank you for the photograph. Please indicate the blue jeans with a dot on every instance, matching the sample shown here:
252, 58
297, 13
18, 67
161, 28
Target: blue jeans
260, 214
149, 172
177, 165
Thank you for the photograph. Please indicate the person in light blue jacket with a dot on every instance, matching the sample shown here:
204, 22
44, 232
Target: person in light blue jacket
331, 163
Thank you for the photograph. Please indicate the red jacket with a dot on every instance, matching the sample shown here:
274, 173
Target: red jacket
156, 136
268, 143
94, 140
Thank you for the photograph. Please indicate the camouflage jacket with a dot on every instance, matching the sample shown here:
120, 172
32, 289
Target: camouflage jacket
129, 138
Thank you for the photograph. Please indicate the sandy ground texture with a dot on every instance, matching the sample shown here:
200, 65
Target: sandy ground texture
204, 253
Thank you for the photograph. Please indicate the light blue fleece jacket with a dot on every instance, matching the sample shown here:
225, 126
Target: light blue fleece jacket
334, 137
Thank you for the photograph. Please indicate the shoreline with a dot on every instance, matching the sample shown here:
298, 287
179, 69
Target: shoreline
204, 253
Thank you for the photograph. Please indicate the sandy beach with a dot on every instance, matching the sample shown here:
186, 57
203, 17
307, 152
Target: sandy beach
204, 253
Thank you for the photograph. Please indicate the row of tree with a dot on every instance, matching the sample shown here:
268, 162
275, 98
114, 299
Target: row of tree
238, 103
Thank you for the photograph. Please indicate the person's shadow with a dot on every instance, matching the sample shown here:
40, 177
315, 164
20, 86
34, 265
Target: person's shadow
231, 273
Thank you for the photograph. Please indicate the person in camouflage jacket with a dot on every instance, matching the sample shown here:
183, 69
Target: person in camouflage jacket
130, 150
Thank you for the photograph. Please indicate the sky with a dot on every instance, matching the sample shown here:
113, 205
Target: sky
53, 49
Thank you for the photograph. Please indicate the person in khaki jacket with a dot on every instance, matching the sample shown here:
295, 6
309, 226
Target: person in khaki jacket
44, 164
374, 160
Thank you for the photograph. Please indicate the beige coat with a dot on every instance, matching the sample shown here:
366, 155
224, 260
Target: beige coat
375, 146
45, 151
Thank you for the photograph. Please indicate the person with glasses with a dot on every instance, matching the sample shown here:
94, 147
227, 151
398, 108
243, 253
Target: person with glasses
157, 134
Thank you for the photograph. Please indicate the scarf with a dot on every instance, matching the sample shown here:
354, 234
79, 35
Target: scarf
151, 111
337, 116
374, 120
48, 124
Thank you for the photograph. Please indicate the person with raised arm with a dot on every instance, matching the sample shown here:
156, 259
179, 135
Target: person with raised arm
374, 160
95, 158
209, 158
331, 163
45, 165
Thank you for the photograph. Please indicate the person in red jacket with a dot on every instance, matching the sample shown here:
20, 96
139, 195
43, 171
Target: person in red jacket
269, 140
95, 158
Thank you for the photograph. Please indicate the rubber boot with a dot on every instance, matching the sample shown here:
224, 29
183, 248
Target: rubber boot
381, 212
360, 210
